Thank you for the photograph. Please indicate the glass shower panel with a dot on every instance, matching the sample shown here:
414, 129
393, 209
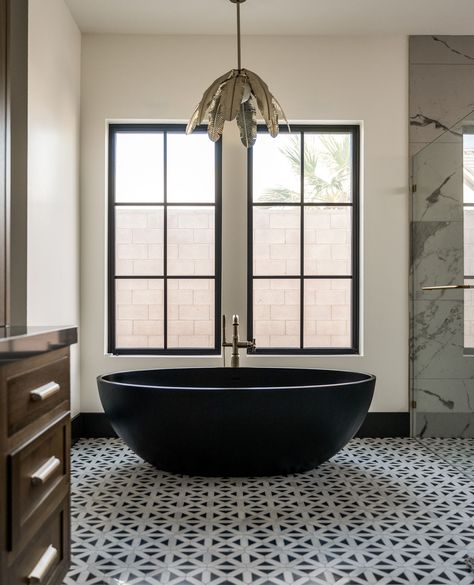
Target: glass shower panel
442, 319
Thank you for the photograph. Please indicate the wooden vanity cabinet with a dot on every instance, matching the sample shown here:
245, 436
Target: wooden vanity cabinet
35, 430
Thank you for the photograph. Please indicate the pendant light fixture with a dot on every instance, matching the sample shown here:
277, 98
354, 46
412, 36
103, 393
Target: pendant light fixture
236, 95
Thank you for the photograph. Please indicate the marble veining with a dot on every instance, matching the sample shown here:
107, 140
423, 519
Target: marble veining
438, 175
438, 395
437, 258
422, 232
446, 44
422, 121
441, 49
449, 404
437, 348
435, 196
441, 95
445, 425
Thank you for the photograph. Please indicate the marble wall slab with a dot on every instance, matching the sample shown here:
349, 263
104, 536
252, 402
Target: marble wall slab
437, 349
442, 50
441, 424
441, 85
452, 396
438, 169
437, 258
441, 94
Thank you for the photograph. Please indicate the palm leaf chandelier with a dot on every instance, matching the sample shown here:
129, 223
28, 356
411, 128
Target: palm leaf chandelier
236, 95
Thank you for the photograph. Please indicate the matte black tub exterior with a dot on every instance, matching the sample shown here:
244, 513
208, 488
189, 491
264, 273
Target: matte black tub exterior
236, 422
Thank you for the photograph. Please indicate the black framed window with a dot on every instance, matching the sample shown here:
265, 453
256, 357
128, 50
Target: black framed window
303, 248
164, 256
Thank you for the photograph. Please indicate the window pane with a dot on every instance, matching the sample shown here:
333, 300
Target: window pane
191, 248
191, 313
139, 313
139, 241
191, 169
276, 248
277, 168
327, 168
469, 241
468, 196
139, 176
468, 167
469, 314
276, 312
327, 313
327, 240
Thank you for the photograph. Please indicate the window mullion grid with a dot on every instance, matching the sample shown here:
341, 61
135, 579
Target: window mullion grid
302, 276
355, 242
165, 240
322, 276
169, 277
173, 204
307, 204
465, 205
250, 244
354, 268
113, 277
290, 276
112, 341
217, 245
302, 242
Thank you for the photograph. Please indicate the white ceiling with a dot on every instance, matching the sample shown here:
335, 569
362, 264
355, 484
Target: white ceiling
279, 17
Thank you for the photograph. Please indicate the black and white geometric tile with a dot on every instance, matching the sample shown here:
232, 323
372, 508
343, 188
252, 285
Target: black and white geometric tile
457, 451
382, 511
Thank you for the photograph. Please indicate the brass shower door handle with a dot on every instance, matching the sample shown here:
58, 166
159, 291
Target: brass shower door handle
447, 287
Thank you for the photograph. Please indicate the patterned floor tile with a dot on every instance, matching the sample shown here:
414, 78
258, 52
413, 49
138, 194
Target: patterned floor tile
458, 452
382, 511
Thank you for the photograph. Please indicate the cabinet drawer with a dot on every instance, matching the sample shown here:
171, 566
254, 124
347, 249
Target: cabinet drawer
46, 556
39, 478
36, 391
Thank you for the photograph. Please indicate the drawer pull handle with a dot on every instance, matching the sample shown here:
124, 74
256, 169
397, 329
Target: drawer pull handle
42, 474
44, 392
44, 565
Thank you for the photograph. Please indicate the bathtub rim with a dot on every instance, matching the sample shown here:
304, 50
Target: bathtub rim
366, 378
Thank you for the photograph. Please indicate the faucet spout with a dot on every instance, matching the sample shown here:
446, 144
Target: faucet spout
236, 344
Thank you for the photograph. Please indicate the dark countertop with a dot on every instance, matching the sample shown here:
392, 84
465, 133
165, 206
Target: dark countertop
19, 342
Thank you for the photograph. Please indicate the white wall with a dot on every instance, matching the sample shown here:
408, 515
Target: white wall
316, 79
53, 171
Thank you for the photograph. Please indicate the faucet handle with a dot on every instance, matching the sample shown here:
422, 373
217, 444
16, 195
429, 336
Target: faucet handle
252, 345
223, 331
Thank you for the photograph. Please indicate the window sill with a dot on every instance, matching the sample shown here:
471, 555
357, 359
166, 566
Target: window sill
305, 353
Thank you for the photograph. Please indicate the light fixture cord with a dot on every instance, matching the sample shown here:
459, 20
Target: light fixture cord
239, 56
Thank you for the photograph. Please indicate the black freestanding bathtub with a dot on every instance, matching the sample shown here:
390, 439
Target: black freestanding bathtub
236, 422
